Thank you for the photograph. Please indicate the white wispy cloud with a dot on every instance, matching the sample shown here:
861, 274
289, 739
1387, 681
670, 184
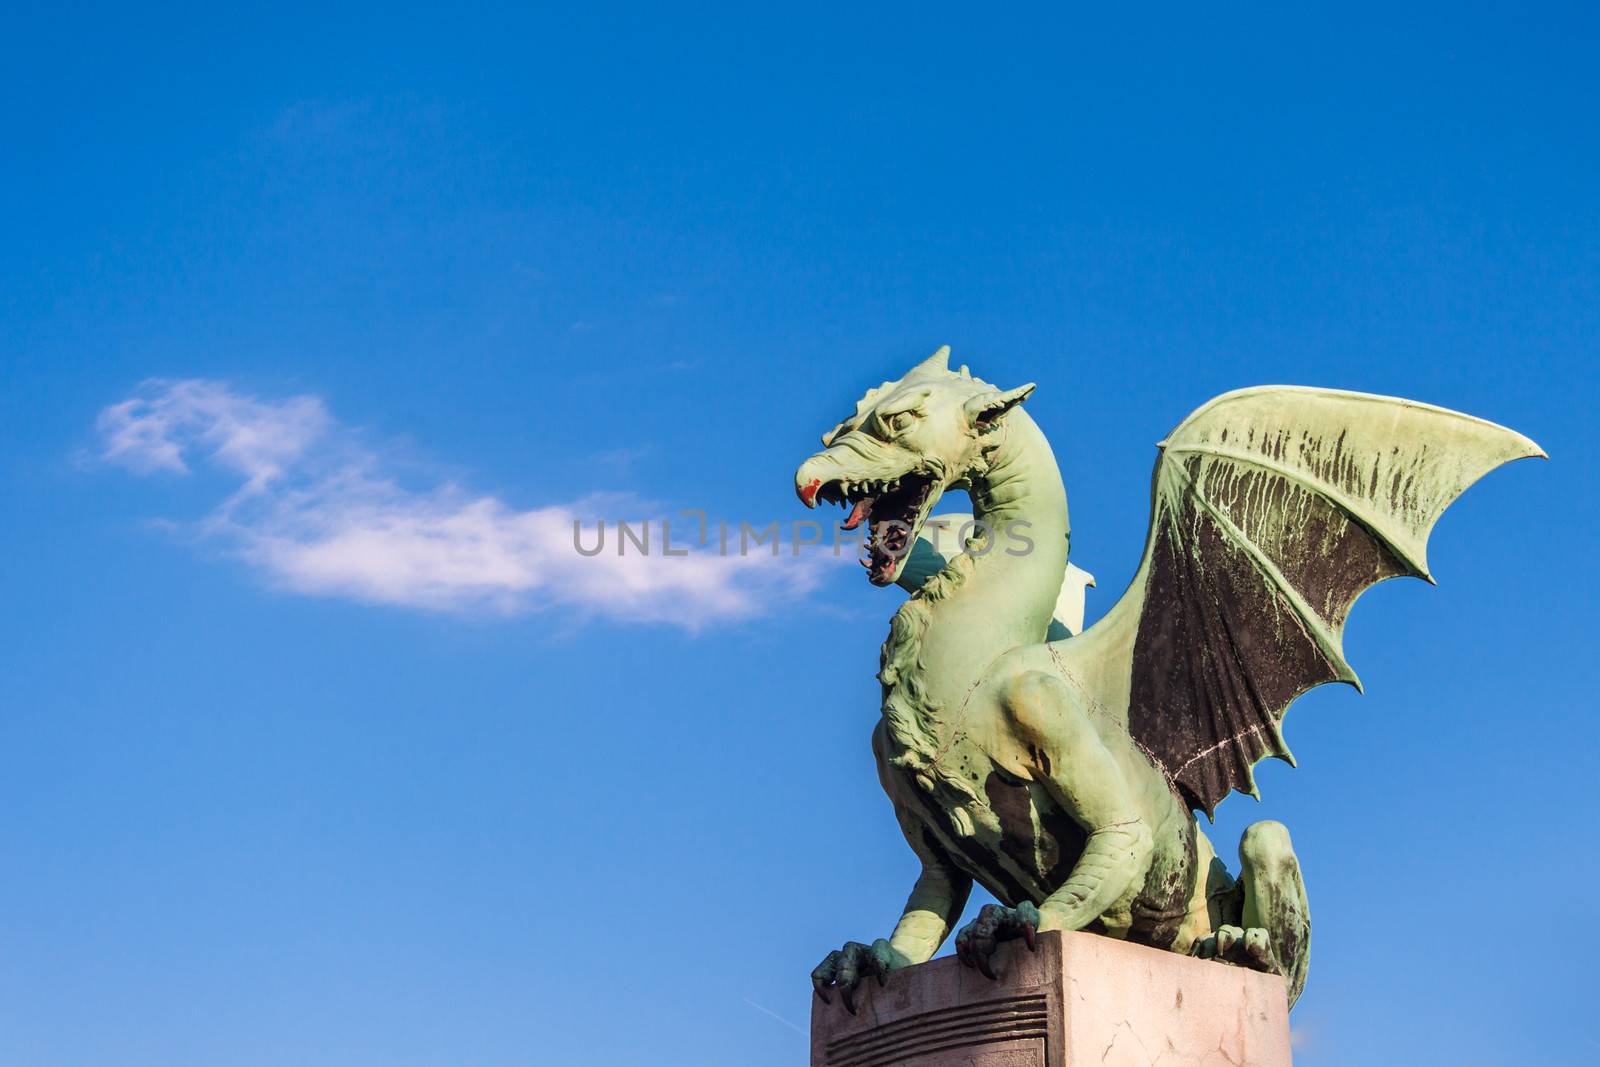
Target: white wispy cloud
320, 509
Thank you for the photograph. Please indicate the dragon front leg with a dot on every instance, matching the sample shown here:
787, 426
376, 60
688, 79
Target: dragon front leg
1113, 864
1051, 741
935, 903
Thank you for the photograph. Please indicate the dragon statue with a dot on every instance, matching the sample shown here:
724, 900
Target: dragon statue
1063, 772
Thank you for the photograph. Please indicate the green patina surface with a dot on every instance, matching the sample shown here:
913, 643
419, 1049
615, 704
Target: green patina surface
1063, 773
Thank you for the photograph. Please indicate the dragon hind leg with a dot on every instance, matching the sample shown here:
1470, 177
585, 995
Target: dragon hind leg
1275, 900
1263, 921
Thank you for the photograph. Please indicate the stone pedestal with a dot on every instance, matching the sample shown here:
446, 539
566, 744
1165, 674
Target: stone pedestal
1078, 1000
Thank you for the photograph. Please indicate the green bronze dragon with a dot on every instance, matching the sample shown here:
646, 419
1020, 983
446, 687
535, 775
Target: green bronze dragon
1063, 772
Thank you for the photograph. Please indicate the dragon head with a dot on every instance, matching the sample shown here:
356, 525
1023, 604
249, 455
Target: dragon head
906, 444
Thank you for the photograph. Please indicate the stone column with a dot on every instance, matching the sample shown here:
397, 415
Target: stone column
1078, 1000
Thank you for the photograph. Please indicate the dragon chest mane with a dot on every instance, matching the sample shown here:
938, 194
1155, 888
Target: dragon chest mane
920, 736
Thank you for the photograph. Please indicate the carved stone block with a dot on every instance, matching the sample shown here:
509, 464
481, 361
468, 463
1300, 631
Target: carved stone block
1078, 1000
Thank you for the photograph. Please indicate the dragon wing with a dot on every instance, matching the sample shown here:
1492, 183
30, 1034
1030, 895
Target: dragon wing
1273, 509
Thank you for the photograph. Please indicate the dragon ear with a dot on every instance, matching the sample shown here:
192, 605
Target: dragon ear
985, 409
936, 365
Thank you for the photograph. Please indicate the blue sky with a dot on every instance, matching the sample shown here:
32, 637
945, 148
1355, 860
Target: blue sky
314, 323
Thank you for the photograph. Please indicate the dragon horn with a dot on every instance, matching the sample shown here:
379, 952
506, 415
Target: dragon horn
936, 365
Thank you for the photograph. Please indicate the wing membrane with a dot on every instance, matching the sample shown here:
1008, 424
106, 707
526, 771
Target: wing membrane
1273, 509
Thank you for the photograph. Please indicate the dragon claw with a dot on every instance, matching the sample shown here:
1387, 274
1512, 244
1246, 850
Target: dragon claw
1250, 947
843, 970
976, 942
1258, 945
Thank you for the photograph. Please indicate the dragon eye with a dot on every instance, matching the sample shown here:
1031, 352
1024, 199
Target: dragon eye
901, 421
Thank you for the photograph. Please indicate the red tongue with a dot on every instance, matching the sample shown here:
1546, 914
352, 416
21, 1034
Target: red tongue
858, 514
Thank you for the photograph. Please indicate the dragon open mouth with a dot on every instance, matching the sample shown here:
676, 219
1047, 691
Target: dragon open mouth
893, 509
